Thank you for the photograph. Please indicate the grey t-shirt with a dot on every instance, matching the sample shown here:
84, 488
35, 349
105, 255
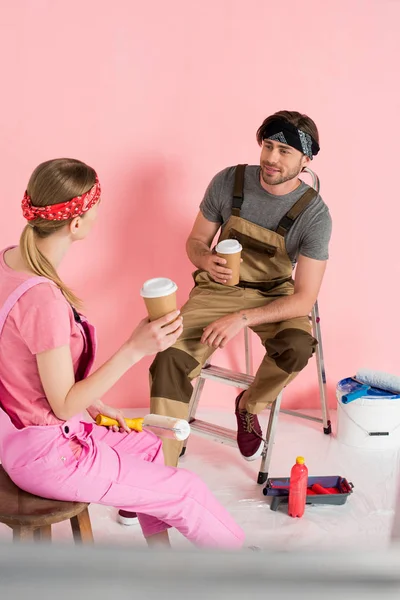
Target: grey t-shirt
311, 231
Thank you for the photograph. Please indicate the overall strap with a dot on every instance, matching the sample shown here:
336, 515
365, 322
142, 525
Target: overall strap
238, 190
287, 221
16, 295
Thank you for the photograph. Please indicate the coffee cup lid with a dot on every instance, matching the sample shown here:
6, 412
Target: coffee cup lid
228, 247
158, 287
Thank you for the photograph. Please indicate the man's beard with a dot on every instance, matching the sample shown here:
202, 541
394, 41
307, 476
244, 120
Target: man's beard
269, 180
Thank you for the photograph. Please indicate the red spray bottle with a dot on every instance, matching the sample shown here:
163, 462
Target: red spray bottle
298, 488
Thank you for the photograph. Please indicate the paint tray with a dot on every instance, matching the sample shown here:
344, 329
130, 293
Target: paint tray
278, 488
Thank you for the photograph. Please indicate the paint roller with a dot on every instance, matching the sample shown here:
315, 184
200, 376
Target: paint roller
372, 380
168, 427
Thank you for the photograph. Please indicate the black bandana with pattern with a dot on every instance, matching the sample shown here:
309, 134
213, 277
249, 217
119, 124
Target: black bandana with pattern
282, 131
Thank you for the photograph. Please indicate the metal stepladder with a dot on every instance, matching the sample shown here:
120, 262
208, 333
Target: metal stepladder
244, 380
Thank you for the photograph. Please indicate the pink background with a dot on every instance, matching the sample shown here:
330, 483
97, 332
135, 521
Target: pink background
160, 96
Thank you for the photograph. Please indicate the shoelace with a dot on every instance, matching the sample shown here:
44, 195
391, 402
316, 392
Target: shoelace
248, 423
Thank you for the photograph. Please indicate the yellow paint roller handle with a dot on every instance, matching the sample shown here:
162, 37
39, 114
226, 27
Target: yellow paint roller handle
135, 424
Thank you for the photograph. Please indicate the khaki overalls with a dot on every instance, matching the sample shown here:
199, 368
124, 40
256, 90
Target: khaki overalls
265, 274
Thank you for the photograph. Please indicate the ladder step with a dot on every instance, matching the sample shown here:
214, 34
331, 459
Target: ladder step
219, 434
240, 380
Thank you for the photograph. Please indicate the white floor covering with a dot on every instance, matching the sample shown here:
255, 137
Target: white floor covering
364, 522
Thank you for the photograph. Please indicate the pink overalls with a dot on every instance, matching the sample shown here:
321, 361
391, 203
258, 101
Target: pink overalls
125, 470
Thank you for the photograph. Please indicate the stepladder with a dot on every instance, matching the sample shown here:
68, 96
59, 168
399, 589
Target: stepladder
243, 381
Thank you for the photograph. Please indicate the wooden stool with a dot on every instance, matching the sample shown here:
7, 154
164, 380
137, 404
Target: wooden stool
31, 517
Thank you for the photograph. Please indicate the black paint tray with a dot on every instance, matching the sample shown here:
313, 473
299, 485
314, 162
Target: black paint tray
278, 488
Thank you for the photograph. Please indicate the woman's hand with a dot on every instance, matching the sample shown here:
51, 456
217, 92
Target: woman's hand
151, 337
109, 411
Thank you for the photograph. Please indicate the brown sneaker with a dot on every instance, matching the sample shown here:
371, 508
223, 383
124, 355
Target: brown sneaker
249, 433
127, 518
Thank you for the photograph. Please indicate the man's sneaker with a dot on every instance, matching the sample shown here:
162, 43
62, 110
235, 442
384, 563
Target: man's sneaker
249, 433
127, 518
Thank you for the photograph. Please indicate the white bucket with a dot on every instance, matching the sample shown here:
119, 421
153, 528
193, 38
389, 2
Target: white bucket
371, 422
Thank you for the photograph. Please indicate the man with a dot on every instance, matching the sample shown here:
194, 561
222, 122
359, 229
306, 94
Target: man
280, 221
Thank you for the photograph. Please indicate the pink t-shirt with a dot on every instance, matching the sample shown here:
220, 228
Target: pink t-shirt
42, 319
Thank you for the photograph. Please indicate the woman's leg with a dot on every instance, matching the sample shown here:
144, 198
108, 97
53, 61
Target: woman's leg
159, 540
168, 497
127, 471
149, 447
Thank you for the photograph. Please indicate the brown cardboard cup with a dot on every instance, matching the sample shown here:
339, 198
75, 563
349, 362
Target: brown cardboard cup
159, 295
231, 251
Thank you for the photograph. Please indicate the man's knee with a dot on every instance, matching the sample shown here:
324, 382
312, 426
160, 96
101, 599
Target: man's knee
291, 349
170, 372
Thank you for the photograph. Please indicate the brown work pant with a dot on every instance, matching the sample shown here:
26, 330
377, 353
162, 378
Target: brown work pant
289, 345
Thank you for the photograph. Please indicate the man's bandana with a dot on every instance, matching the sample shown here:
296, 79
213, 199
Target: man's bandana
282, 131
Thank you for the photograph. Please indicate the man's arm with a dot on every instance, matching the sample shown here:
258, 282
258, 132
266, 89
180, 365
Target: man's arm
309, 275
198, 244
308, 280
198, 248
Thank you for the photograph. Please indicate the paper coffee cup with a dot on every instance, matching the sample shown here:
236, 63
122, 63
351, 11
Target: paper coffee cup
230, 250
159, 295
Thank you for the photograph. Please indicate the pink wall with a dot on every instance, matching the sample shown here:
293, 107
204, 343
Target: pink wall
159, 96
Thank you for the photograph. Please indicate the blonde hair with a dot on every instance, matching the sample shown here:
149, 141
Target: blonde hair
52, 182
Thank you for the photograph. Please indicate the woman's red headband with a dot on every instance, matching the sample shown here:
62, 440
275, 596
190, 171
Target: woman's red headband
65, 210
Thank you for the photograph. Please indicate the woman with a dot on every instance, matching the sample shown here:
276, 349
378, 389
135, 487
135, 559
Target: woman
46, 352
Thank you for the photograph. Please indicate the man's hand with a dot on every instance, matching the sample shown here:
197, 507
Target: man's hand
218, 334
214, 265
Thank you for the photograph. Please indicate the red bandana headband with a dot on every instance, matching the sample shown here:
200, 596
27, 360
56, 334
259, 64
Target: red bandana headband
65, 210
